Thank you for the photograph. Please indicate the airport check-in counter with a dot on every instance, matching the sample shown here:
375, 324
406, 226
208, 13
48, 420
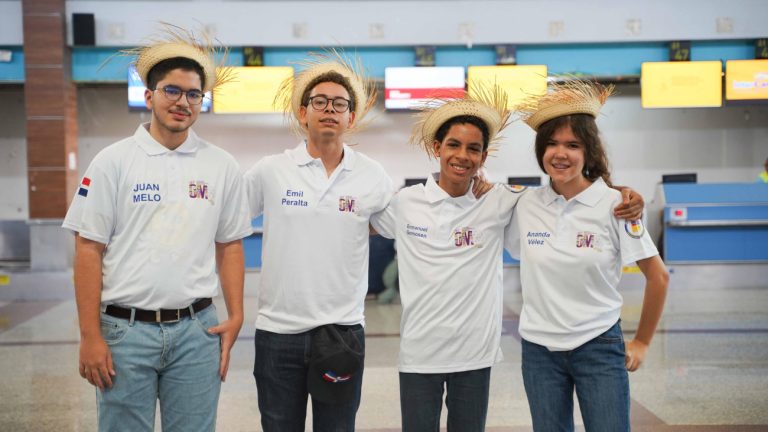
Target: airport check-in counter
715, 223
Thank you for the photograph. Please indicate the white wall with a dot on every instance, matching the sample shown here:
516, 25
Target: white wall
439, 22
720, 144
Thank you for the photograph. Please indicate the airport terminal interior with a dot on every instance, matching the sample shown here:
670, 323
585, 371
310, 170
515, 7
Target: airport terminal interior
687, 129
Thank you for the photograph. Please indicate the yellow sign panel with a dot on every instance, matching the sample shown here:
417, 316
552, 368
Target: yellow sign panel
520, 82
253, 90
5, 279
681, 84
746, 79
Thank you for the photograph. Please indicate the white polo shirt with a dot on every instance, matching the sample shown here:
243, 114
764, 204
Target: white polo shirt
449, 256
571, 254
159, 212
315, 246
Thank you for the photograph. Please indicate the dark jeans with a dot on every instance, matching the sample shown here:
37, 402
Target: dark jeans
421, 400
280, 369
599, 375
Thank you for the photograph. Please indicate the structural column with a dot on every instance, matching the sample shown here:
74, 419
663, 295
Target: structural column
51, 113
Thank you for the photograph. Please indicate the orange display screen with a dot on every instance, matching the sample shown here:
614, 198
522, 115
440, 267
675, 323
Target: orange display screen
746, 80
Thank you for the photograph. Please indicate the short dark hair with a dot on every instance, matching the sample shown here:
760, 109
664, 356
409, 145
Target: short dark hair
332, 77
584, 128
442, 131
160, 70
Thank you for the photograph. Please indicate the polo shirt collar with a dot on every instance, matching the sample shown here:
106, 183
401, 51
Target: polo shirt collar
589, 196
435, 193
154, 148
300, 155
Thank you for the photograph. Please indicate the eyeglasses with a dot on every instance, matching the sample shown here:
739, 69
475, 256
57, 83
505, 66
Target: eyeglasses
173, 93
320, 103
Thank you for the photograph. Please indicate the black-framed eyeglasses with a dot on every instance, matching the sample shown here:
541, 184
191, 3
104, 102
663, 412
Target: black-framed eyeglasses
173, 93
320, 102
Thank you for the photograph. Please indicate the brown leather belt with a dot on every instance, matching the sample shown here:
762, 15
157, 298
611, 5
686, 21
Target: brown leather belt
158, 316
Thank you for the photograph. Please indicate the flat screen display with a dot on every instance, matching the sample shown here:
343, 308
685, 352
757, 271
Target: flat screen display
746, 80
412, 87
519, 82
683, 84
252, 90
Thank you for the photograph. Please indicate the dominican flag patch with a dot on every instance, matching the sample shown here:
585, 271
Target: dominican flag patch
83, 191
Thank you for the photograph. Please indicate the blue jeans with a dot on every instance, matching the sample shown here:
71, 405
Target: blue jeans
177, 363
421, 400
597, 371
280, 368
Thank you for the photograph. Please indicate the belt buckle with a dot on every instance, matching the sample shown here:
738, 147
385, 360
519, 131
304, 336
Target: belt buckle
159, 316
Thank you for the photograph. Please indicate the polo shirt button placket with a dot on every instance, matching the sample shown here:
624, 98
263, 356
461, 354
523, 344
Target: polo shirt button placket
175, 187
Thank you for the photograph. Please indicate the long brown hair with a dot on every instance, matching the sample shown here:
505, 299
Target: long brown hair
585, 129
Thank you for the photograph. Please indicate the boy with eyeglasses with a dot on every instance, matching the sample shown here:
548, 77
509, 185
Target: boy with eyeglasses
317, 199
155, 216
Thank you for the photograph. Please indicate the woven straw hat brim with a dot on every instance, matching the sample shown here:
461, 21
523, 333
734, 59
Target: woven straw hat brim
153, 55
308, 75
543, 115
452, 109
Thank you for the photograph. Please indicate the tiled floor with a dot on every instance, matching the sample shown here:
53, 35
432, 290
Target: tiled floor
707, 369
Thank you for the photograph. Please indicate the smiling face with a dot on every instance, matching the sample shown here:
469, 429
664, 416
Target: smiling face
174, 116
563, 160
461, 154
327, 123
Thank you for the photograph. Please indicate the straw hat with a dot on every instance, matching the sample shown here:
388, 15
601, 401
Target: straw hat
570, 97
488, 102
364, 91
178, 42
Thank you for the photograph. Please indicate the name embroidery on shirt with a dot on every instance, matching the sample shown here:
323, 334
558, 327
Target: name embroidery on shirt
416, 231
146, 192
293, 198
463, 237
537, 238
347, 204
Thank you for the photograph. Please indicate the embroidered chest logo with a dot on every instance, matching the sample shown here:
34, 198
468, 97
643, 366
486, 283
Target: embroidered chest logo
347, 204
463, 236
635, 228
198, 189
84, 185
146, 192
586, 240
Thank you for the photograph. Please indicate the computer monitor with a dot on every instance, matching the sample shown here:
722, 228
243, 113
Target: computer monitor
679, 178
524, 181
